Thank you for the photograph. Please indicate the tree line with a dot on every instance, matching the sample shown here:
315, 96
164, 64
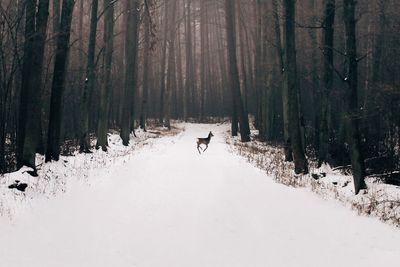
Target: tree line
318, 77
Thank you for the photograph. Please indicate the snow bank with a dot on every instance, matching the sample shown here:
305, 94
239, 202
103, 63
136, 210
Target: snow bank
57, 177
380, 200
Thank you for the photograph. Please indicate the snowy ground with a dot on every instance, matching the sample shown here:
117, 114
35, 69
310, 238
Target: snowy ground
57, 177
169, 206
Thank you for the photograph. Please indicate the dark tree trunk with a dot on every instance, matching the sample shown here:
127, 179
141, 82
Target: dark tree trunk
230, 14
222, 62
291, 85
3, 99
189, 62
146, 66
84, 137
180, 92
328, 38
315, 87
352, 116
281, 54
163, 65
203, 51
32, 87
131, 47
250, 67
380, 38
60, 65
194, 94
241, 29
266, 90
257, 64
80, 41
38, 68
81, 70
171, 70
56, 20
105, 95
24, 106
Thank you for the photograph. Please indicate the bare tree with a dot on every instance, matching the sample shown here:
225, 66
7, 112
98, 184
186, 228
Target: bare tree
290, 80
352, 110
163, 64
60, 65
171, 67
29, 128
146, 66
328, 39
105, 95
285, 98
234, 72
84, 137
189, 60
131, 50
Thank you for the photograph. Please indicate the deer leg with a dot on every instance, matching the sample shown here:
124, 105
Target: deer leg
198, 146
205, 148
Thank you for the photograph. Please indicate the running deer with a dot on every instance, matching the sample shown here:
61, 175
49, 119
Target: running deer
204, 141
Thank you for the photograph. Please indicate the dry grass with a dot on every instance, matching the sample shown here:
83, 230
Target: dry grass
270, 159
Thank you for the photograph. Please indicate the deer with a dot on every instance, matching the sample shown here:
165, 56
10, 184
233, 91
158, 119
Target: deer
204, 141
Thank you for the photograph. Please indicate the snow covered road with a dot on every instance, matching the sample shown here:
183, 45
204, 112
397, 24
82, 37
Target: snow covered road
171, 207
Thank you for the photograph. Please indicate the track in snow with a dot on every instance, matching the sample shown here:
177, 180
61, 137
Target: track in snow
171, 207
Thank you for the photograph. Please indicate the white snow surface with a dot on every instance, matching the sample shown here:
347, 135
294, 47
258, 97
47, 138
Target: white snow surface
168, 206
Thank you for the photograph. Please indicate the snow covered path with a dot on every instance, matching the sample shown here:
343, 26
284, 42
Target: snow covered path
171, 207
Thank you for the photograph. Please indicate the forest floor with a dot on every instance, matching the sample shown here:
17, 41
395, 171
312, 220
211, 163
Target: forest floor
164, 204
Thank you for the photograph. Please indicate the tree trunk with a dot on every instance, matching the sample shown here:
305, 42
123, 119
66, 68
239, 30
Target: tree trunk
222, 62
81, 70
131, 46
3, 99
352, 116
250, 68
80, 41
266, 90
60, 66
171, 70
328, 38
316, 88
146, 66
163, 65
203, 51
25, 94
56, 20
285, 98
257, 64
84, 140
230, 14
30, 129
241, 29
290, 77
194, 93
180, 92
105, 94
189, 62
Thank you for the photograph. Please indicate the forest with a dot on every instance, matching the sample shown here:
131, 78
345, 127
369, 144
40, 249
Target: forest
318, 79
